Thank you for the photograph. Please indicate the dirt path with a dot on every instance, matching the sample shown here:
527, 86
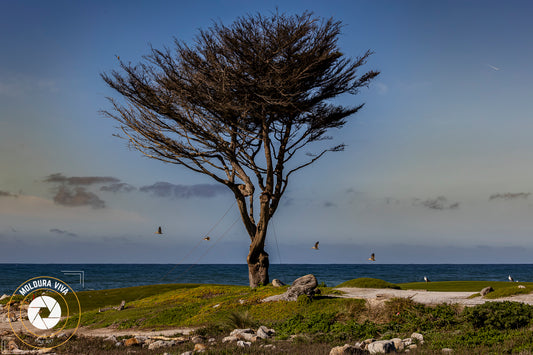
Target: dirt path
426, 297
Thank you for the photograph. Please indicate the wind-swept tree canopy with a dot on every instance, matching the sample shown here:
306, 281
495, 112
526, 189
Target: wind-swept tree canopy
239, 105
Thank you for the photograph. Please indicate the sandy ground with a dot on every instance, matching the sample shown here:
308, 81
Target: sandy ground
370, 294
426, 297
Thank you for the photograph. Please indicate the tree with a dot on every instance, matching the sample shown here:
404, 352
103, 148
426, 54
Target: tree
240, 105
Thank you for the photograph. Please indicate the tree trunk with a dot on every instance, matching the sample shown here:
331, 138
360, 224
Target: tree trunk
258, 260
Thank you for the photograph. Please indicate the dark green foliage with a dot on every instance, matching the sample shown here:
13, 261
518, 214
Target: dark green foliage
314, 323
499, 315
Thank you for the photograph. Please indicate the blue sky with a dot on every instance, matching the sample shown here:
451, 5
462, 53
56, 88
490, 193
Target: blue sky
438, 166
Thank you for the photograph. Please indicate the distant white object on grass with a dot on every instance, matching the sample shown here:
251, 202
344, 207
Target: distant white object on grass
316, 246
159, 230
426, 279
510, 278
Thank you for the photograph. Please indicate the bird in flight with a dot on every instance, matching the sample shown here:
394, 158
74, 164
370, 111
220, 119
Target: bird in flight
426, 279
159, 231
493, 67
316, 246
207, 237
372, 257
510, 278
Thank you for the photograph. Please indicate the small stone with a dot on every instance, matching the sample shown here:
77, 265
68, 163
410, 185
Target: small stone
188, 353
277, 283
413, 346
216, 305
239, 331
447, 351
197, 339
381, 346
131, 342
111, 338
12, 345
486, 291
398, 344
199, 347
211, 340
521, 286
347, 349
230, 338
407, 341
244, 344
241, 301
118, 343
368, 341
419, 337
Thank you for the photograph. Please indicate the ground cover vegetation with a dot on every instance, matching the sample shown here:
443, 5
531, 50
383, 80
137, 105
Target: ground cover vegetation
314, 326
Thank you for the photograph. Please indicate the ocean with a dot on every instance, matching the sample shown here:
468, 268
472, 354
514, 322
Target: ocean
104, 276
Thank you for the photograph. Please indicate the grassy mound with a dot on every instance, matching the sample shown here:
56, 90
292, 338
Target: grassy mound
367, 282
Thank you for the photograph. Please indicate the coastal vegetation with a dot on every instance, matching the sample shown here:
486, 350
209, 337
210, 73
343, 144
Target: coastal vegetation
214, 310
313, 326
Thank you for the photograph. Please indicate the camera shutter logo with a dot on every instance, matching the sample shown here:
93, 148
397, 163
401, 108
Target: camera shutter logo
46, 315
34, 310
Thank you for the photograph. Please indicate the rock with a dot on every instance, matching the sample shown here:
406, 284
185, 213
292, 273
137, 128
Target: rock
521, 286
305, 285
111, 338
197, 339
407, 341
413, 346
131, 342
212, 340
419, 337
158, 344
347, 349
447, 351
230, 338
121, 306
244, 344
268, 346
486, 290
381, 347
265, 333
277, 283
200, 347
188, 353
241, 301
4, 296
11, 345
241, 331
368, 341
398, 344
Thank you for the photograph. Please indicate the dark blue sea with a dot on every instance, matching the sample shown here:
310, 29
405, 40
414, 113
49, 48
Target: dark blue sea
103, 276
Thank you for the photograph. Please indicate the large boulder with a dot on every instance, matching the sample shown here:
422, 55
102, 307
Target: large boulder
305, 285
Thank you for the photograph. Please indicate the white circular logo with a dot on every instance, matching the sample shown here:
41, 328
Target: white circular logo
35, 308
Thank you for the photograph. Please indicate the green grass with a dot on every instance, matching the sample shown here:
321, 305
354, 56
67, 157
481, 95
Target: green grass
367, 282
216, 309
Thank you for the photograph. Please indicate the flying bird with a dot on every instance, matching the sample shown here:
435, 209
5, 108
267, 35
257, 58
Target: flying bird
207, 237
316, 246
426, 279
493, 67
159, 231
510, 278
372, 257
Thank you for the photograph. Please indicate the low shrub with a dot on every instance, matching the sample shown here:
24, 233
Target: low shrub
499, 315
